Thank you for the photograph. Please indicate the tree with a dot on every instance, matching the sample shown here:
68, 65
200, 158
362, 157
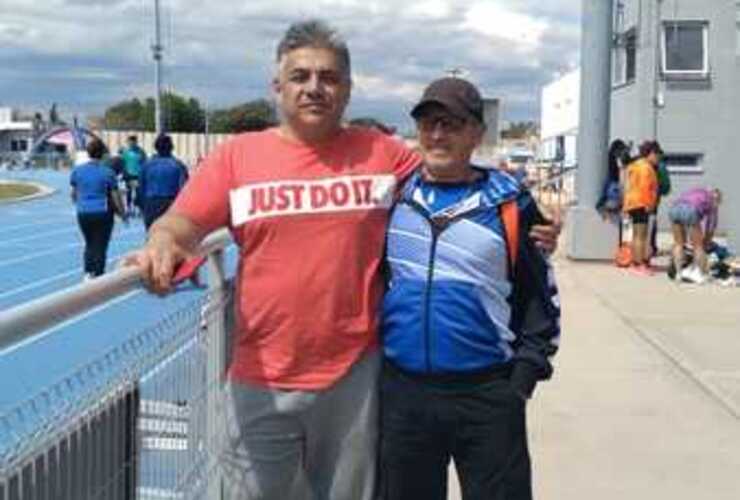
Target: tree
520, 130
126, 115
182, 114
179, 114
249, 116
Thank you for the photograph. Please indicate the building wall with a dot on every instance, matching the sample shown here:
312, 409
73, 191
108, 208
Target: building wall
697, 117
560, 106
7, 138
6, 115
13, 131
559, 119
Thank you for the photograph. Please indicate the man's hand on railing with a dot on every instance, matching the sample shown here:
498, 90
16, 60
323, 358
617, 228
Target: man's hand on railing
546, 236
173, 239
158, 261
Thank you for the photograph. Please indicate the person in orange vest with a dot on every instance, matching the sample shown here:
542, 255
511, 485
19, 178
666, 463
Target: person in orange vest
640, 199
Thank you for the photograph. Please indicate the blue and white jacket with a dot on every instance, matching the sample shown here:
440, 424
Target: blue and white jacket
453, 305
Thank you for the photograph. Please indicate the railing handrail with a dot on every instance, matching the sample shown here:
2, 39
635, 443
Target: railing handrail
24, 321
561, 171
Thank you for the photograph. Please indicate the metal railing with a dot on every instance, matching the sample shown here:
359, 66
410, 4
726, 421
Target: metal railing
20, 161
139, 421
552, 185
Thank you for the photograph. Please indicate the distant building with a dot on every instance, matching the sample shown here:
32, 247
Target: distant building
559, 119
492, 118
16, 136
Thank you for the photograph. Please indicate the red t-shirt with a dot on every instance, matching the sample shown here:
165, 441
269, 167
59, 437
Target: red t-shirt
310, 225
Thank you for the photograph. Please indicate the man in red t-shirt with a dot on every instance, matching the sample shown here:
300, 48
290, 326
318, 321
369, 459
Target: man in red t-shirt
307, 202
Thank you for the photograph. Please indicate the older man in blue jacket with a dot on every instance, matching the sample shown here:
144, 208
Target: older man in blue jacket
470, 318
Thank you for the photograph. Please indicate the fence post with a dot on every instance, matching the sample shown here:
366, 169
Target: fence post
216, 341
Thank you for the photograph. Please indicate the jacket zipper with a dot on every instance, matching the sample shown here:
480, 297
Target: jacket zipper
437, 229
428, 298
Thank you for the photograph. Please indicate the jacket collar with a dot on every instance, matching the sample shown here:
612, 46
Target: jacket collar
493, 189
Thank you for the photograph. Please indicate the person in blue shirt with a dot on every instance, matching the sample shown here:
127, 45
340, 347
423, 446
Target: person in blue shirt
96, 197
160, 180
470, 318
133, 158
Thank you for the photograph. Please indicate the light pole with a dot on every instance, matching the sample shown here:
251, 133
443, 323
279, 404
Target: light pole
157, 50
455, 72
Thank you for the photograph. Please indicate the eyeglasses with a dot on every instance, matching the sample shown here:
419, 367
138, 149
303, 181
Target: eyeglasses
447, 123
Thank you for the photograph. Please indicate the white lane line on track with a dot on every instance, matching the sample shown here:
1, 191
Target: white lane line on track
8, 229
68, 322
56, 209
57, 250
39, 283
40, 235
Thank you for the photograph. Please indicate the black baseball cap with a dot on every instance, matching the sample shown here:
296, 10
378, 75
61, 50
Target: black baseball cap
458, 96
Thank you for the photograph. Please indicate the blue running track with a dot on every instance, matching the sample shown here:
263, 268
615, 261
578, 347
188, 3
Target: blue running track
40, 253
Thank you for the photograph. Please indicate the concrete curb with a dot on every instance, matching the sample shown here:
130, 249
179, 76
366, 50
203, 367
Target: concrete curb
43, 191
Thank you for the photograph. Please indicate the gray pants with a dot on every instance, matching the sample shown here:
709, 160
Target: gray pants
301, 445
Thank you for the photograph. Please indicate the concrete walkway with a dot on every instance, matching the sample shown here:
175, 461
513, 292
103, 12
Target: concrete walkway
645, 402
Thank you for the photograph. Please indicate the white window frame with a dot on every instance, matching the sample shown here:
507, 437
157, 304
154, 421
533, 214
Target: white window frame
704, 71
698, 168
619, 57
619, 67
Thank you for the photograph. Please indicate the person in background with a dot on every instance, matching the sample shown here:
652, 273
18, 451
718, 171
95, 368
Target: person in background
96, 197
610, 202
664, 189
640, 197
691, 210
160, 180
133, 158
115, 163
470, 319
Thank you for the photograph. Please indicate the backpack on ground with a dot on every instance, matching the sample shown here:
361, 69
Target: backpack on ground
623, 255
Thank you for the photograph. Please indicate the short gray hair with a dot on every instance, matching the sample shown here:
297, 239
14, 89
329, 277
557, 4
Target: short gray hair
318, 34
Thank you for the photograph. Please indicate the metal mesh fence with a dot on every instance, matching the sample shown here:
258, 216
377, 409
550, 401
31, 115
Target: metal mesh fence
130, 424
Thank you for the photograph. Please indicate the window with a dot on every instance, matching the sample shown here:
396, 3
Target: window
18, 145
684, 49
684, 163
625, 58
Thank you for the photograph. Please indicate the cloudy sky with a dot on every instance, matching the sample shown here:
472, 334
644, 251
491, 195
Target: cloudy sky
88, 54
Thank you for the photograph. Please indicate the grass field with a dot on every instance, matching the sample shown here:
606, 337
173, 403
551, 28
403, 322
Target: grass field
8, 191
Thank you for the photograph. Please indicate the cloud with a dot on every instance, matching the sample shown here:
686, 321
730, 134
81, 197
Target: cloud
372, 85
93, 53
427, 9
493, 21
